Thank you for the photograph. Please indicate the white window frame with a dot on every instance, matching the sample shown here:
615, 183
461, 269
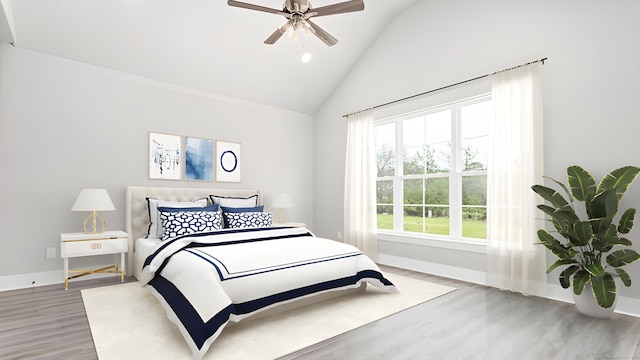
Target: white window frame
454, 240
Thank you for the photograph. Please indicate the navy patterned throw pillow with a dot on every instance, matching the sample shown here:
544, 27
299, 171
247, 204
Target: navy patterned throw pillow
178, 222
251, 219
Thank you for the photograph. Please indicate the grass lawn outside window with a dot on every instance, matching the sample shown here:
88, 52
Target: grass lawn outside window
435, 225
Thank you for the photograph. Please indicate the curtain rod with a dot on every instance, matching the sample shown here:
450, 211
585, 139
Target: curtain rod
446, 87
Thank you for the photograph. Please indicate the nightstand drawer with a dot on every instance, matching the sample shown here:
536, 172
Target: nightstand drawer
92, 247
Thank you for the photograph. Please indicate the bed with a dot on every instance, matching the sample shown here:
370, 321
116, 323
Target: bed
233, 264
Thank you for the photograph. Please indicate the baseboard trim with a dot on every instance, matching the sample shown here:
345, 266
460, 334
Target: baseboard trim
24, 281
626, 305
448, 271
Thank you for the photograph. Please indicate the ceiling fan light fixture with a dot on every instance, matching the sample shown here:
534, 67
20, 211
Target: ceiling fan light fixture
298, 14
306, 57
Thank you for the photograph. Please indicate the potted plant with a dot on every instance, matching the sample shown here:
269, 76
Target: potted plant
589, 242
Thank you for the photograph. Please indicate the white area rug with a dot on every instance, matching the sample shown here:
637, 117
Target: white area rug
127, 322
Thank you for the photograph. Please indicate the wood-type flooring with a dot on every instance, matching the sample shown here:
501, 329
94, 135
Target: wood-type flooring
473, 322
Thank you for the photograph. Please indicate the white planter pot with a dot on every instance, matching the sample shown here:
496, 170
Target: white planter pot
587, 305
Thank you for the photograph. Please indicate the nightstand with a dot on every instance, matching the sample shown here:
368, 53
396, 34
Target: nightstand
291, 224
82, 244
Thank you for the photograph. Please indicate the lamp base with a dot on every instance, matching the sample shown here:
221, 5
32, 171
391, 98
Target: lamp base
281, 217
94, 229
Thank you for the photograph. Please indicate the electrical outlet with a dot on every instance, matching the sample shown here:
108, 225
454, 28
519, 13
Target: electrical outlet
51, 253
339, 235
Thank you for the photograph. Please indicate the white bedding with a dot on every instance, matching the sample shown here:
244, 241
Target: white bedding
146, 246
206, 280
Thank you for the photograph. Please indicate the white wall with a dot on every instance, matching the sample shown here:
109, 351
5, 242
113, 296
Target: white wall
590, 90
66, 125
7, 33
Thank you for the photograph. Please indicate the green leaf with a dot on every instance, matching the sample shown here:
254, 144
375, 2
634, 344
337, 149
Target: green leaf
559, 263
622, 257
624, 277
595, 269
554, 245
565, 276
547, 239
555, 198
559, 220
600, 225
604, 290
579, 280
582, 232
547, 209
605, 240
565, 217
603, 205
625, 242
619, 179
580, 182
562, 186
626, 221
587, 201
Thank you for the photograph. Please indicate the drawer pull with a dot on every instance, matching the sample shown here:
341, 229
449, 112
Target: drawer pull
96, 246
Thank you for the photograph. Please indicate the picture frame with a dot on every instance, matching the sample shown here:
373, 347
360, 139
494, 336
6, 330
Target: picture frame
228, 161
198, 159
165, 156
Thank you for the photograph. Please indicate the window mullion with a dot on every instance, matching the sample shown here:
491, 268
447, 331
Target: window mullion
398, 208
398, 191
455, 180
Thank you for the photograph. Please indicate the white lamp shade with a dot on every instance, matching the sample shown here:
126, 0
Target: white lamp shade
93, 200
282, 201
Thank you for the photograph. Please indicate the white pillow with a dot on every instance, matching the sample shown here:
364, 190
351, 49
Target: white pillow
235, 201
155, 223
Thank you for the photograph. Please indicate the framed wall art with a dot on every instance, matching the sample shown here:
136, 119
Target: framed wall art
228, 161
198, 154
165, 156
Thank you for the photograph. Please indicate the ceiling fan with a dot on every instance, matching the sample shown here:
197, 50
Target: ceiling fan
299, 12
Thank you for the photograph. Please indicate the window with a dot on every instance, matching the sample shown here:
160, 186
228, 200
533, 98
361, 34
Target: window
432, 170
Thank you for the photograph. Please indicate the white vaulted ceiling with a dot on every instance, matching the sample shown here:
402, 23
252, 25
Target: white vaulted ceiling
204, 44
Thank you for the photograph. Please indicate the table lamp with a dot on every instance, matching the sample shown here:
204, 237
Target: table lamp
281, 202
93, 200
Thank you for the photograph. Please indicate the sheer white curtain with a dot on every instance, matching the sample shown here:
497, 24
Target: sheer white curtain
514, 262
360, 227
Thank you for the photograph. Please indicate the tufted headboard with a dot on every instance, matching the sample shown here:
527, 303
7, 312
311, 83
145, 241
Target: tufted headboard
137, 220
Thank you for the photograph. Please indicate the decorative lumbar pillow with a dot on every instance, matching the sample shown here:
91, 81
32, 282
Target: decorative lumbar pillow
177, 222
235, 201
248, 219
227, 209
155, 224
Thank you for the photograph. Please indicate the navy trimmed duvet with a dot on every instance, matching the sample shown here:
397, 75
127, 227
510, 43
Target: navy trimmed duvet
206, 280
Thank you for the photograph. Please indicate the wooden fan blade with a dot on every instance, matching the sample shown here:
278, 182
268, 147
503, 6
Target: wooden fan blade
322, 35
277, 34
339, 8
254, 7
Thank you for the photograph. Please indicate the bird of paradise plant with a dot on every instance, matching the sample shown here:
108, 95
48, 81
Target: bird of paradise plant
592, 249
